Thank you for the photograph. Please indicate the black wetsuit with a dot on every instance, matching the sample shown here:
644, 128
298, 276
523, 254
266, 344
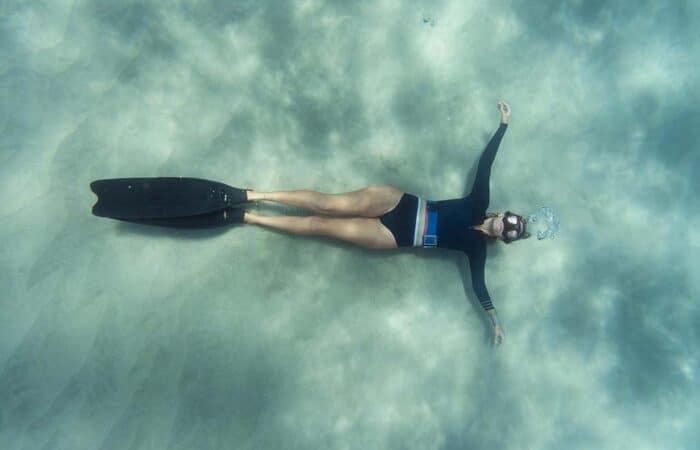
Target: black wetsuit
455, 220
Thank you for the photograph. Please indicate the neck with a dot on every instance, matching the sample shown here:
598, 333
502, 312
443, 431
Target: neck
486, 226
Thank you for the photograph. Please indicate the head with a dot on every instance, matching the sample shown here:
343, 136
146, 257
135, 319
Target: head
508, 227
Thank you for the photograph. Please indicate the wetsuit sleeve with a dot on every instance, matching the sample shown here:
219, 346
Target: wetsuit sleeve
477, 261
480, 190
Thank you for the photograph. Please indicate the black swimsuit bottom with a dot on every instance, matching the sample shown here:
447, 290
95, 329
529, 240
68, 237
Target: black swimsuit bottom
401, 220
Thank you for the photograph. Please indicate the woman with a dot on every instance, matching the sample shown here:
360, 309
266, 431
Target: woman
385, 217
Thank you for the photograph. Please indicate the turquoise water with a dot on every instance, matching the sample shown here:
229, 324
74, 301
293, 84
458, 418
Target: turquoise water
118, 336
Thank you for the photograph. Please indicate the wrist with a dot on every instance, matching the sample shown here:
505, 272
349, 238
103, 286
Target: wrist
493, 316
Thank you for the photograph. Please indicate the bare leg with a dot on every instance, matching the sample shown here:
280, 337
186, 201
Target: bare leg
306, 199
292, 224
372, 201
365, 232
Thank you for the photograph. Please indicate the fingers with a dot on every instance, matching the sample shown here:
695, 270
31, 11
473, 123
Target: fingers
498, 337
497, 340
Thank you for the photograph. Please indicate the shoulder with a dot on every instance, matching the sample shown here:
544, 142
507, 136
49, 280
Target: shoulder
475, 247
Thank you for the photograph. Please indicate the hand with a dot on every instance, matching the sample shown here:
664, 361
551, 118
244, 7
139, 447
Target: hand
505, 111
498, 335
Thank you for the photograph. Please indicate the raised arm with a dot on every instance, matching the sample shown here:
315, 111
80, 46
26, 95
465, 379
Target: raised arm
477, 262
480, 189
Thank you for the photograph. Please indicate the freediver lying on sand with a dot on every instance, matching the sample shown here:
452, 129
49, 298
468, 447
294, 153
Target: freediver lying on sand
376, 217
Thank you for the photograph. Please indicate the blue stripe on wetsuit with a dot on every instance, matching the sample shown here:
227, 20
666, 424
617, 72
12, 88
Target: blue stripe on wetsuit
430, 238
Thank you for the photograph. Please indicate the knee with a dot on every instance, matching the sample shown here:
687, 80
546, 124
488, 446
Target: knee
326, 204
317, 225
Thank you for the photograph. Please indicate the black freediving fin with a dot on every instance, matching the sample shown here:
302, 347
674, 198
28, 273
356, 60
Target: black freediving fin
220, 218
143, 199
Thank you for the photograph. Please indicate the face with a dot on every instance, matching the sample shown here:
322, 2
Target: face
497, 226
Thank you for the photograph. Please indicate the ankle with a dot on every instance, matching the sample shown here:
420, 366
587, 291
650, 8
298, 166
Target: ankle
248, 217
254, 195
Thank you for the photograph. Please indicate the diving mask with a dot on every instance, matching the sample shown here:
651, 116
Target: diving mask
513, 227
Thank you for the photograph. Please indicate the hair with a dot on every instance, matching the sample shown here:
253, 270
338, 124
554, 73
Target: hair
525, 234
